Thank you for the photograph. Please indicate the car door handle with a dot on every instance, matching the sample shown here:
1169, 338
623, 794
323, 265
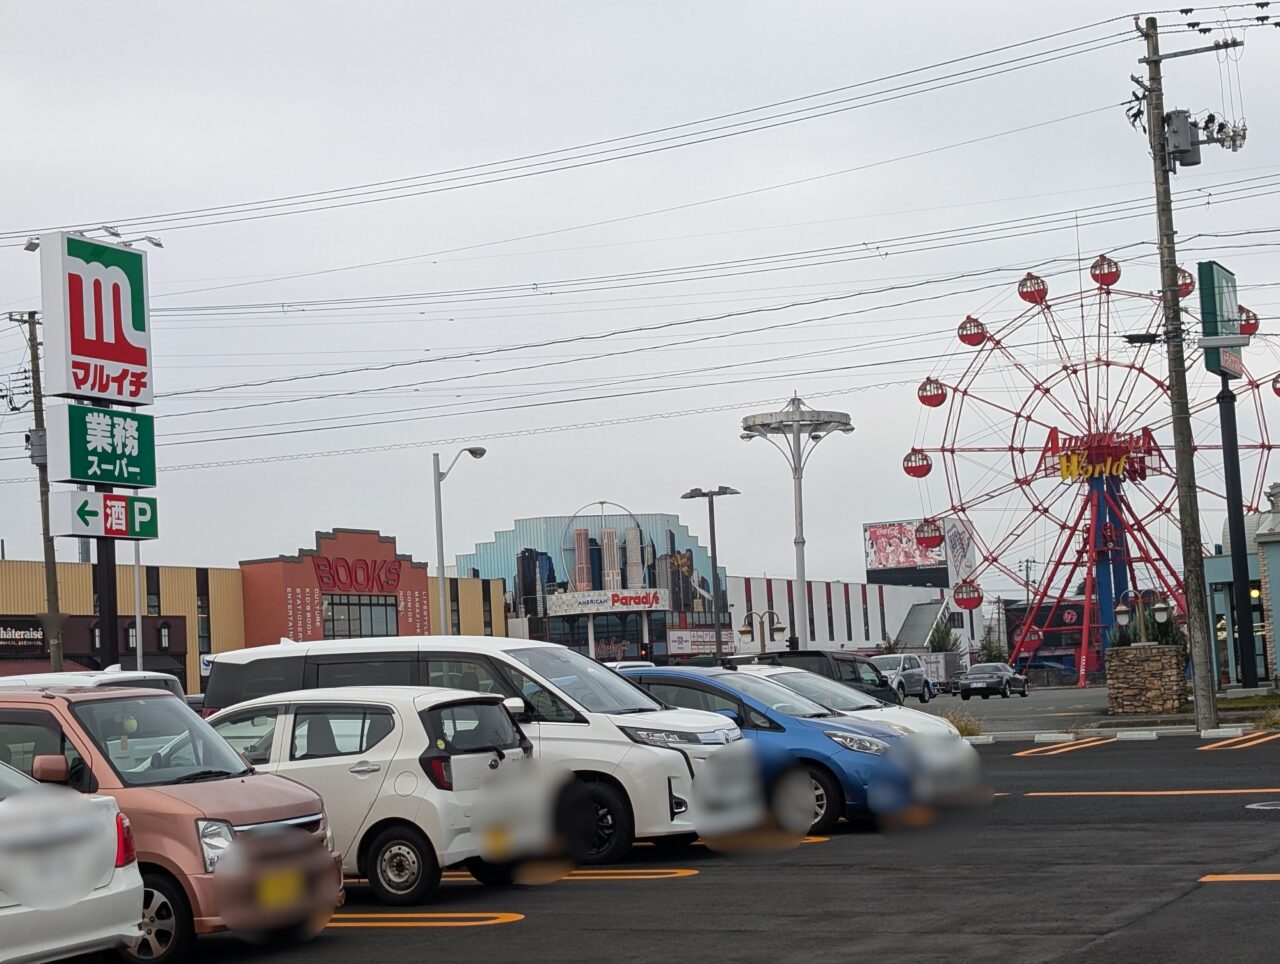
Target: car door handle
363, 767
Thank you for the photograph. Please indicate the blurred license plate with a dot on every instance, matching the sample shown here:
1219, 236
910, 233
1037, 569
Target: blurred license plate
281, 890
497, 843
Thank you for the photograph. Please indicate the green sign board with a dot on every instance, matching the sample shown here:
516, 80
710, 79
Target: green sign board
100, 446
1219, 315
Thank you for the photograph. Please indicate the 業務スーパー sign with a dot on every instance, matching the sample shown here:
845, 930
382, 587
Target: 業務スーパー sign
112, 515
102, 447
97, 330
1220, 315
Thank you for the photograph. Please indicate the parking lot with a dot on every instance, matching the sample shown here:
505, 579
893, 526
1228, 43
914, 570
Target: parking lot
1100, 851
1058, 708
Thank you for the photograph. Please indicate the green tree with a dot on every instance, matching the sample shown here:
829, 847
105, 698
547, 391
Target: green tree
887, 645
992, 652
942, 639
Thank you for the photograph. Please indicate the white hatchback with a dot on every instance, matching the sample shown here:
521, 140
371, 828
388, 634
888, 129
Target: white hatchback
402, 771
849, 701
69, 881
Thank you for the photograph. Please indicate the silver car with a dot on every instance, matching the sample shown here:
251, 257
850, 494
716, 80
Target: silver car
906, 674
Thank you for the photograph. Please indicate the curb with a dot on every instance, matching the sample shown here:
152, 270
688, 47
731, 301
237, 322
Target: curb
980, 740
1053, 737
1223, 731
1032, 736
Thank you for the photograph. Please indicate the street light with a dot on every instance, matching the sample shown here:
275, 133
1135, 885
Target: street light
1160, 609
802, 429
748, 628
711, 497
476, 452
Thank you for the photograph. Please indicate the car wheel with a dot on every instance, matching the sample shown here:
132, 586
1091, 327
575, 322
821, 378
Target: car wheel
1004, 693
401, 866
491, 874
615, 829
827, 801
986, 696
1026, 688
925, 695
964, 696
168, 931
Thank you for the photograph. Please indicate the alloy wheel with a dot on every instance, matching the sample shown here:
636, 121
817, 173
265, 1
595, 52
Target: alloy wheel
159, 926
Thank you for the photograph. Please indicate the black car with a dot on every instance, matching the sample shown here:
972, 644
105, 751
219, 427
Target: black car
991, 679
856, 671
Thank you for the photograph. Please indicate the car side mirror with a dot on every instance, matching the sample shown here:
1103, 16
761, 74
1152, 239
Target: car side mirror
50, 768
732, 715
518, 708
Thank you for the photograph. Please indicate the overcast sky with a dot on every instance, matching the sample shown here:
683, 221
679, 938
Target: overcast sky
134, 111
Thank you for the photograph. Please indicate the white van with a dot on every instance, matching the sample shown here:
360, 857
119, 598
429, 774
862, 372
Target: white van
638, 759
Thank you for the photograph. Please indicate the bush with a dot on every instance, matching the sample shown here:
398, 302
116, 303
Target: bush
1270, 720
963, 721
942, 639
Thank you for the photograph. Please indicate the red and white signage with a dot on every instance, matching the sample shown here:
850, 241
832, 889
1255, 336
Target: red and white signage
339, 574
606, 601
700, 642
97, 328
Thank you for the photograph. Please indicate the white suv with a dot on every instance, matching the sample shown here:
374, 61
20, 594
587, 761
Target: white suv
637, 759
401, 770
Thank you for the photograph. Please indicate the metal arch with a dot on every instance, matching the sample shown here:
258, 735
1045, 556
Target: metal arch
573, 586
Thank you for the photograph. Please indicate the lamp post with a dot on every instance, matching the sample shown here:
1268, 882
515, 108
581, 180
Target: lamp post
795, 432
438, 477
711, 497
1160, 609
748, 628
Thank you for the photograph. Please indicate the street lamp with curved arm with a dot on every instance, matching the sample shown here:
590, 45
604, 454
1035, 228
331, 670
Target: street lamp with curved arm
438, 477
748, 628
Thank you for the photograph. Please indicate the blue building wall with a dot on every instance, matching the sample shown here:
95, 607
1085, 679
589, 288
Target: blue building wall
554, 536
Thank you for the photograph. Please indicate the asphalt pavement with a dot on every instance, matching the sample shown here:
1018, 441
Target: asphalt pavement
1043, 710
1099, 852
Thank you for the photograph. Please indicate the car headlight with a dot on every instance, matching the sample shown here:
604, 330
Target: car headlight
328, 831
216, 838
667, 738
863, 744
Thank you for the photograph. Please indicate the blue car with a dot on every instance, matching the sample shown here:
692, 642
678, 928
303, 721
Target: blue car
846, 759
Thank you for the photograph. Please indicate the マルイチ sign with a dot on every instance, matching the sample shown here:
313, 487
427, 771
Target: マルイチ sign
97, 329
110, 515
338, 574
98, 446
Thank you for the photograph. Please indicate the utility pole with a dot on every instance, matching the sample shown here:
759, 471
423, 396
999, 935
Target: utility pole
52, 618
1193, 583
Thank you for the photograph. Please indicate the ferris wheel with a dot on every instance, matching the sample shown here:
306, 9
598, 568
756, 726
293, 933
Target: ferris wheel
1057, 446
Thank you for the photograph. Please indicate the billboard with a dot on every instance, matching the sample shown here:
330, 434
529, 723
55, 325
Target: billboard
584, 603
700, 642
892, 545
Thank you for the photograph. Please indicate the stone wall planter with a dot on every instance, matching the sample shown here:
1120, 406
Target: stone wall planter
1145, 680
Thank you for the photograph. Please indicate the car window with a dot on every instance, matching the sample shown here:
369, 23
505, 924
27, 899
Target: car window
826, 691
463, 674
595, 687
472, 727
845, 669
546, 706
250, 732
148, 683
689, 697
365, 672
232, 683
27, 734
814, 663
775, 696
156, 741
11, 782
320, 732
867, 675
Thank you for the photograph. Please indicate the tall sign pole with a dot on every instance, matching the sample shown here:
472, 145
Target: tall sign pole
1197, 604
52, 618
97, 335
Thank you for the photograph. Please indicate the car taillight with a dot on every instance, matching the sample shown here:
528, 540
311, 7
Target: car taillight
440, 771
126, 852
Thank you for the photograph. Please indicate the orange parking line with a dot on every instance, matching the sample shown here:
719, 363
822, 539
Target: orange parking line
1224, 744
1055, 748
1149, 793
423, 920
1238, 878
1263, 739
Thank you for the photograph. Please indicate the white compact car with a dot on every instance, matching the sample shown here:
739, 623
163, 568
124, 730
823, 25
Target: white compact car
69, 881
115, 676
637, 759
401, 770
849, 701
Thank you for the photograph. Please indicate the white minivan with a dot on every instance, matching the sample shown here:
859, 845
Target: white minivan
638, 759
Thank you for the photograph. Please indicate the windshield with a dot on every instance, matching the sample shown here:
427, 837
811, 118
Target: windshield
828, 692
596, 688
988, 668
774, 696
886, 662
11, 782
153, 741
